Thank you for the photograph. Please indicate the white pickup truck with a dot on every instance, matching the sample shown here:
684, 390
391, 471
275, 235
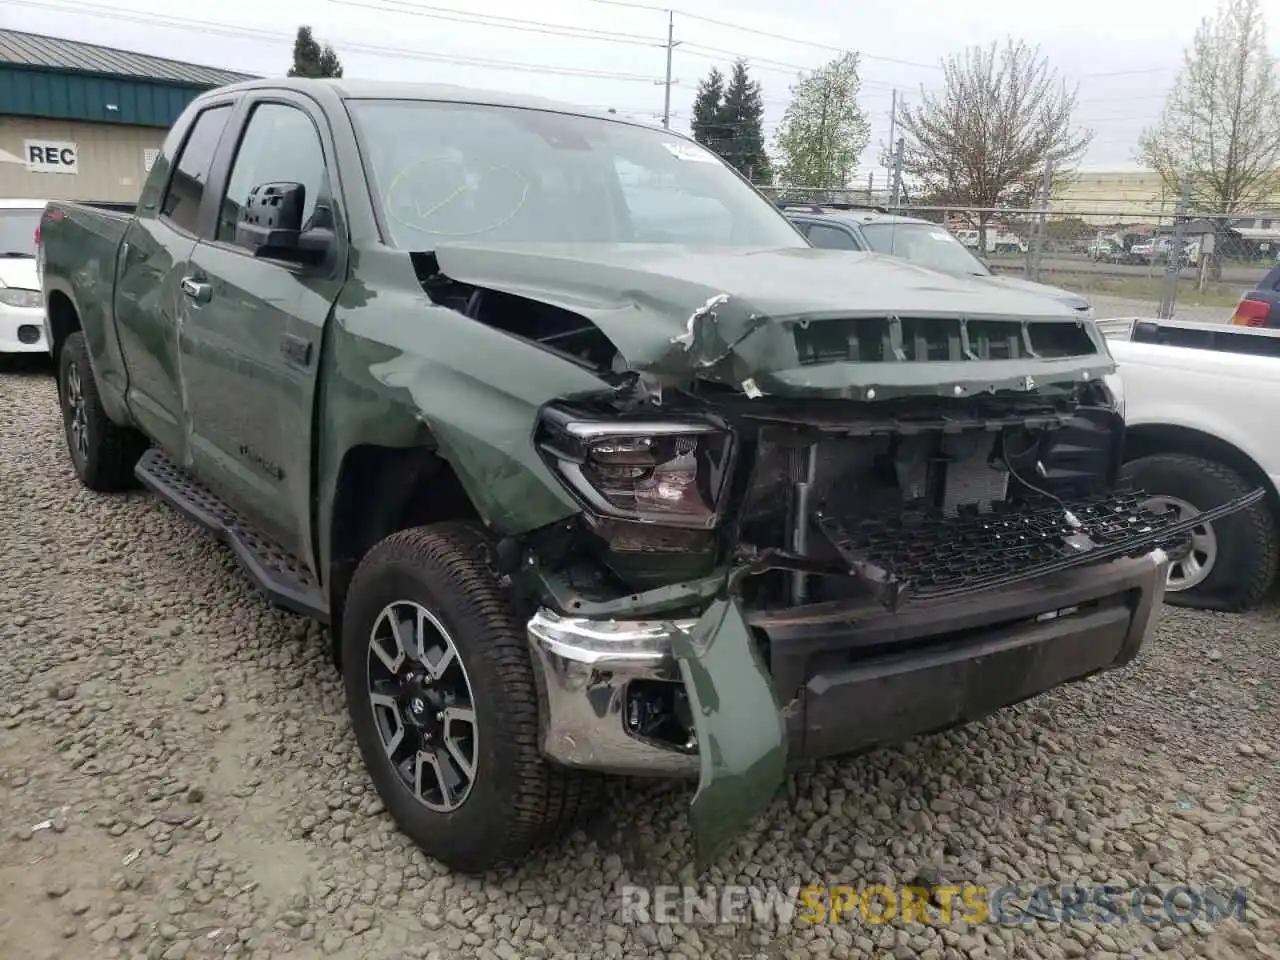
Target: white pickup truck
1202, 413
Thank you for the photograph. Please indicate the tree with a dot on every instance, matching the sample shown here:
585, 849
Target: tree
1220, 128
708, 105
310, 60
823, 131
985, 140
742, 118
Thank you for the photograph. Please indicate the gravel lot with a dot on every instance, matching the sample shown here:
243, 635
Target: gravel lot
182, 754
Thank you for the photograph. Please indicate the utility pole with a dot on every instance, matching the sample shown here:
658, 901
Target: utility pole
671, 45
897, 173
1173, 268
1032, 267
893, 128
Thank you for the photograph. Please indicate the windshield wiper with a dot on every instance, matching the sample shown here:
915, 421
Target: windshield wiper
17, 254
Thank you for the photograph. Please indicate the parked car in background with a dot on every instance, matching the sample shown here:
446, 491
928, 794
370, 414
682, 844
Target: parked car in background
1200, 403
1104, 250
999, 242
21, 302
919, 241
1260, 307
1156, 250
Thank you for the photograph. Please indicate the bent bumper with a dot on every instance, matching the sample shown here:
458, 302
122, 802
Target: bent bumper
851, 680
585, 668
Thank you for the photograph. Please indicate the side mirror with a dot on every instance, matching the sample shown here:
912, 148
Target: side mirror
271, 225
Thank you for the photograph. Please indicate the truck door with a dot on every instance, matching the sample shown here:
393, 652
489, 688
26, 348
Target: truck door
149, 306
251, 343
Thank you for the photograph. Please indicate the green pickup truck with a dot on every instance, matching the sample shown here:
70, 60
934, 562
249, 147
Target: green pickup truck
581, 484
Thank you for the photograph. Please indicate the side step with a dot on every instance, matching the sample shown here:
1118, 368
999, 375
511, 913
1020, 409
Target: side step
286, 582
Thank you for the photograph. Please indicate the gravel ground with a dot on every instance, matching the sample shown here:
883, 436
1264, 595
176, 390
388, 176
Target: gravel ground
178, 780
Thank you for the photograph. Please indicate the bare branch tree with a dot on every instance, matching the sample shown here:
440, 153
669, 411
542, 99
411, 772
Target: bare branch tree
1220, 126
1003, 115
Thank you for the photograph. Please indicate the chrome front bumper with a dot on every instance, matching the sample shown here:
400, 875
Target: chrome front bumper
584, 668
1019, 642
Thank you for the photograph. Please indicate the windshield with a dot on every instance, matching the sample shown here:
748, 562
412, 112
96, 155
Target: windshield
479, 174
18, 232
925, 244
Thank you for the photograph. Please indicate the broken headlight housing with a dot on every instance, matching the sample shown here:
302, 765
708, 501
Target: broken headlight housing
666, 472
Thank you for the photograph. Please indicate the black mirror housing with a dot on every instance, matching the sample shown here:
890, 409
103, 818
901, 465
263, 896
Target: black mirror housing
271, 225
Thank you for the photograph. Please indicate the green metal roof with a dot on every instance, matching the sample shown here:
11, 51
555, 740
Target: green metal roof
53, 53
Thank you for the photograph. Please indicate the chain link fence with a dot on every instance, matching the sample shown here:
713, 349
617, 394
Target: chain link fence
1121, 256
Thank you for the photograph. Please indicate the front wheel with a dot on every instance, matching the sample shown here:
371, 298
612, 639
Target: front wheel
1225, 565
443, 702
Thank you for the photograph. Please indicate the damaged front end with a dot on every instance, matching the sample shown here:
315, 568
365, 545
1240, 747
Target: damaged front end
812, 533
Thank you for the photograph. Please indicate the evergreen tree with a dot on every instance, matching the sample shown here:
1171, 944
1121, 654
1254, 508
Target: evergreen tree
311, 60
707, 107
742, 117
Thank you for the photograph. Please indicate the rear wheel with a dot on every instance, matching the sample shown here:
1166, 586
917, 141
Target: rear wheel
443, 702
1229, 564
103, 453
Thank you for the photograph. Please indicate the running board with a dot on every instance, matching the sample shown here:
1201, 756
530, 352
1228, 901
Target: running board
286, 582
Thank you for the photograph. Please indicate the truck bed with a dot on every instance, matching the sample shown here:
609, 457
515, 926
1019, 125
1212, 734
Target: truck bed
1220, 337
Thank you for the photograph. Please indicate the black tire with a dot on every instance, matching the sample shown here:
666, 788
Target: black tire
1245, 565
109, 452
517, 801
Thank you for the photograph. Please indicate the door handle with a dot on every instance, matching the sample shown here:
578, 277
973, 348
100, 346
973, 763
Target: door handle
198, 290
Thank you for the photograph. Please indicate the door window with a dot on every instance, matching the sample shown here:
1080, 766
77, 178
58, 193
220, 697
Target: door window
831, 238
280, 145
191, 173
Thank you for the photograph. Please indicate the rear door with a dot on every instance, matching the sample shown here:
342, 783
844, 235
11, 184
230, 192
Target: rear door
152, 261
252, 341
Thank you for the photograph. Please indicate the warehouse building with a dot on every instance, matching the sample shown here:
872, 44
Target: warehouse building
84, 122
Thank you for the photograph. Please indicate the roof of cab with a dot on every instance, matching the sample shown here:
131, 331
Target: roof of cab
856, 215
439, 92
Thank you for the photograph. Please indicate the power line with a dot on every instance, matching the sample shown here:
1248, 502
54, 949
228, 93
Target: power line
203, 26
503, 23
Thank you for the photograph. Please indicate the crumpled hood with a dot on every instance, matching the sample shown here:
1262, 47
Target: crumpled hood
1073, 300
728, 314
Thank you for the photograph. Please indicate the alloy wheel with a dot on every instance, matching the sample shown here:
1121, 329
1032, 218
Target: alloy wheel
422, 705
77, 421
1192, 561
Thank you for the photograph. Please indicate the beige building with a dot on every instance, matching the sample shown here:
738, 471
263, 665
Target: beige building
1124, 196
83, 122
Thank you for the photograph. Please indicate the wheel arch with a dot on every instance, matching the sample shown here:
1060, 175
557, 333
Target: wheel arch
380, 491
1147, 439
64, 320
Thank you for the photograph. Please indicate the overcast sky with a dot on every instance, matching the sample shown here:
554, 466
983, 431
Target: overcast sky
1122, 54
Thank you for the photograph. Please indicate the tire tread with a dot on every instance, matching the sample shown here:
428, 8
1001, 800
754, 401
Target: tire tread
549, 800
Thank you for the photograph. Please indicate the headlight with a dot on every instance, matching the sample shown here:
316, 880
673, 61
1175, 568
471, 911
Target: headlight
17, 297
663, 472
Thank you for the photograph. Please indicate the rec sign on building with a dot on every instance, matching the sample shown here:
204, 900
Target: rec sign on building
50, 156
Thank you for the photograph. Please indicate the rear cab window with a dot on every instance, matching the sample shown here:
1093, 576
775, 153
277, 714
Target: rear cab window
831, 238
182, 197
